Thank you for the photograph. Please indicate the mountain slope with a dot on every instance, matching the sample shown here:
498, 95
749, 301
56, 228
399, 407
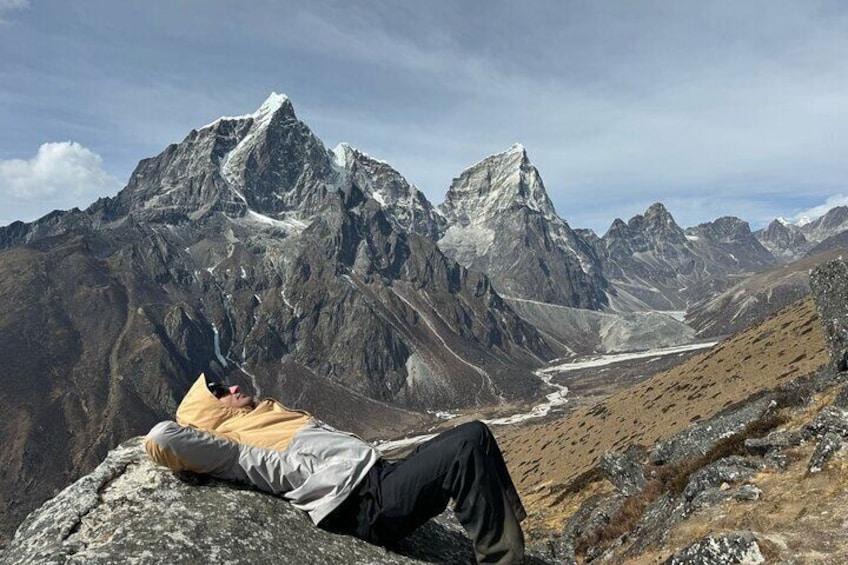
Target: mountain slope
757, 297
789, 241
549, 457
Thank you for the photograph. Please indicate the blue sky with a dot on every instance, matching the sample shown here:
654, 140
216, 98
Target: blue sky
713, 108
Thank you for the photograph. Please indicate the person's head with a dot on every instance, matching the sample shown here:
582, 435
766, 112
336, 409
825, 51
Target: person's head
230, 395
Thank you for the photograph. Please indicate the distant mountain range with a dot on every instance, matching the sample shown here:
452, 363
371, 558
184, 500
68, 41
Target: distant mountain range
789, 241
321, 276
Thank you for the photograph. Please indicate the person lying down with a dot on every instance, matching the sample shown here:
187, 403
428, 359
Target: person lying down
338, 479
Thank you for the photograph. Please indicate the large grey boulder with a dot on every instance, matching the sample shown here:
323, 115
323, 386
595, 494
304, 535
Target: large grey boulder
828, 283
129, 510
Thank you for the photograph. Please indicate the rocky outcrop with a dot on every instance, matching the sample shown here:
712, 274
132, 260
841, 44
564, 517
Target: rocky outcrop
700, 437
724, 471
131, 510
625, 470
828, 283
723, 549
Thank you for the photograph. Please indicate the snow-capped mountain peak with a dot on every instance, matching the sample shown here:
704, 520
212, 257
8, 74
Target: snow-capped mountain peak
267, 110
498, 210
497, 183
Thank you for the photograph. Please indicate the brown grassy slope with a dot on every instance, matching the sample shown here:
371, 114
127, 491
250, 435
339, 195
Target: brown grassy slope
545, 458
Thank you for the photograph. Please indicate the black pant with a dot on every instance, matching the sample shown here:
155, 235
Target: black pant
463, 464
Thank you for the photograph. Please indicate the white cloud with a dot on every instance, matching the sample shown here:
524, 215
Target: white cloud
61, 171
817, 211
10, 5
13, 4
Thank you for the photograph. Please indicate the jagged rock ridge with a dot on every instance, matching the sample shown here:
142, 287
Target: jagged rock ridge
652, 263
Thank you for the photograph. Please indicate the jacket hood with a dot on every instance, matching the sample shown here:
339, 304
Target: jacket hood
200, 409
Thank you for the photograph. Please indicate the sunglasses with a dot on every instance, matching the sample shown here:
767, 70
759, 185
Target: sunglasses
218, 390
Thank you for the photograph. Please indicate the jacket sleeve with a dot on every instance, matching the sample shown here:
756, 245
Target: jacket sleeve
186, 449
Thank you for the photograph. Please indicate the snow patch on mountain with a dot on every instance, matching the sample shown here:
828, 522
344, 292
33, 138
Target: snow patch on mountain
468, 240
290, 224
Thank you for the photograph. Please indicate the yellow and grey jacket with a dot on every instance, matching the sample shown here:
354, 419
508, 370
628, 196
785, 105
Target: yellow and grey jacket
269, 446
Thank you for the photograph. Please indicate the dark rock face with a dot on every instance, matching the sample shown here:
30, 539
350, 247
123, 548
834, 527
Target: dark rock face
825, 450
405, 206
724, 549
501, 222
727, 470
775, 441
625, 470
252, 244
830, 421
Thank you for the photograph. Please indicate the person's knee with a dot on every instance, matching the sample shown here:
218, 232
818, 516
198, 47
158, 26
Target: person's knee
477, 428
